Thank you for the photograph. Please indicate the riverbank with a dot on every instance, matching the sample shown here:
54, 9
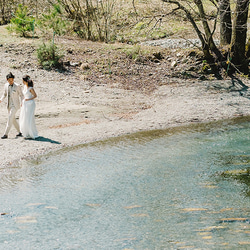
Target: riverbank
71, 112
108, 90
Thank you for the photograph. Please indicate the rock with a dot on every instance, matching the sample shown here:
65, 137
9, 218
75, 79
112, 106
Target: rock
173, 64
158, 55
67, 63
202, 78
192, 54
74, 64
70, 51
84, 66
193, 68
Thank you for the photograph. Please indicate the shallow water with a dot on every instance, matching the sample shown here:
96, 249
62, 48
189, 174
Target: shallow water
183, 188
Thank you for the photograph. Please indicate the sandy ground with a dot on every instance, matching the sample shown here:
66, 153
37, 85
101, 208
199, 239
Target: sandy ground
69, 111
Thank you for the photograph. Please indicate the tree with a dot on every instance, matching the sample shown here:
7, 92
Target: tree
9, 7
22, 23
92, 18
233, 30
239, 34
6, 8
53, 20
225, 22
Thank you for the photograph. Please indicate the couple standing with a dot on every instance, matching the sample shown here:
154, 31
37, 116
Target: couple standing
15, 97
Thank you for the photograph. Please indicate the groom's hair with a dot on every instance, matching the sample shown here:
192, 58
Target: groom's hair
10, 75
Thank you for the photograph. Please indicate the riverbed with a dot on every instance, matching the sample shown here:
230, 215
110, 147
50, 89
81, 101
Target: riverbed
179, 188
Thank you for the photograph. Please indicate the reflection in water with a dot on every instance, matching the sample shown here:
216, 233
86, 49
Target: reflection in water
239, 170
183, 188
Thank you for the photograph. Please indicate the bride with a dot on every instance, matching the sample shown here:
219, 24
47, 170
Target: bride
27, 114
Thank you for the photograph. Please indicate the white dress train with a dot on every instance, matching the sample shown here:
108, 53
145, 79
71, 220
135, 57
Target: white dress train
27, 115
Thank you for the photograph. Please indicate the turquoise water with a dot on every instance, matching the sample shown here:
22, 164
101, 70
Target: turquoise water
183, 188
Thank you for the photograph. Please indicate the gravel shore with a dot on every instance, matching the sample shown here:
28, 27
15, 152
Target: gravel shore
175, 43
70, 110
70, 113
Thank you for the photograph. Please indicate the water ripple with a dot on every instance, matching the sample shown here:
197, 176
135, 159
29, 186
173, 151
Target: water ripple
163, 191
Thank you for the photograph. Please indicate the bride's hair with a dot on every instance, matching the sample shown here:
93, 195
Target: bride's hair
26, 78
30, 83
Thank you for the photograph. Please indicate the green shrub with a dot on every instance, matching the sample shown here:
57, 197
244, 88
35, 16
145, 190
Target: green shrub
49, 56
135, 52
53, 20
22, 23
140, 26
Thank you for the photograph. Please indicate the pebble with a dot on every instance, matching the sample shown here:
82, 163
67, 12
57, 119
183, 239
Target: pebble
175, 43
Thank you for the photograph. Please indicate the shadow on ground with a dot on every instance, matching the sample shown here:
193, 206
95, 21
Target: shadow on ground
44, 139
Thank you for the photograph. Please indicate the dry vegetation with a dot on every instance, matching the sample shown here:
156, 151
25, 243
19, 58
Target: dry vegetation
122, 62
129, 66
124, 65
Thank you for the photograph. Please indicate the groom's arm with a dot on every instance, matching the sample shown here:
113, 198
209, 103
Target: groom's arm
20, 92
4, 94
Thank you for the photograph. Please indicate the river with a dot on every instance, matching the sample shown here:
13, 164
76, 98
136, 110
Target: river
181, 188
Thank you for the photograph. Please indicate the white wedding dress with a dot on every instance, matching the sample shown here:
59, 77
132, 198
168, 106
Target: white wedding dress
27, 115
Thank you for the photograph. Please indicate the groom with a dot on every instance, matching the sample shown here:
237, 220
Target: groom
14, 95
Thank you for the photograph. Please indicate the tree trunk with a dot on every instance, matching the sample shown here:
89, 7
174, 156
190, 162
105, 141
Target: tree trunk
205, 47
225, 22
239, 34
208, 33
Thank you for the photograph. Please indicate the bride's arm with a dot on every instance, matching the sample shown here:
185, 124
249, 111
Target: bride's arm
33, 92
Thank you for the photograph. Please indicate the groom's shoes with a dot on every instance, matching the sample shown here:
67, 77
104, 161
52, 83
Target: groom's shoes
4, 137
19, 134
